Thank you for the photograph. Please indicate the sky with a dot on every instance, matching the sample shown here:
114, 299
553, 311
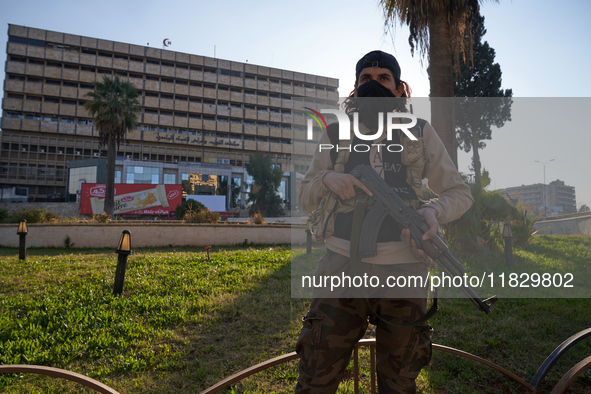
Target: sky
542, 49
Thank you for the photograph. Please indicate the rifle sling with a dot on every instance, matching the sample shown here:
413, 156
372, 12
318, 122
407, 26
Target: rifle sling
358, 217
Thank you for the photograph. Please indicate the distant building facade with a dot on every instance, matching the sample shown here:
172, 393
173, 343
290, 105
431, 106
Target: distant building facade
557, 194
201, 117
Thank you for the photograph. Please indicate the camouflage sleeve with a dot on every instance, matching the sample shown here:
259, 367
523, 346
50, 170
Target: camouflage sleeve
454, 195
312, 189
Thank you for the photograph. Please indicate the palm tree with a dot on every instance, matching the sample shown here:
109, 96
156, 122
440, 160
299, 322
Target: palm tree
437, 29
115, 106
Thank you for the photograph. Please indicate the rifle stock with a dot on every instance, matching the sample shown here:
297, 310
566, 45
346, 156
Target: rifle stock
386, 202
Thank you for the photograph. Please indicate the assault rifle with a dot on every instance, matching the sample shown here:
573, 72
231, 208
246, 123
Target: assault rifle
385, 202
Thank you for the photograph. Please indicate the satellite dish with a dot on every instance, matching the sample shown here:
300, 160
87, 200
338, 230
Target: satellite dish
166, 42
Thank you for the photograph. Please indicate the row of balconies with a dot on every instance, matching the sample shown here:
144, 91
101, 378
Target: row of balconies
147, 84
46, 89
62, 156
69, 109
185, 59
88, 130
27, 157
15, 145
26, 179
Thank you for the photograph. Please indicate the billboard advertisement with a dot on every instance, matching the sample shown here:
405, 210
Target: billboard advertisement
131, 199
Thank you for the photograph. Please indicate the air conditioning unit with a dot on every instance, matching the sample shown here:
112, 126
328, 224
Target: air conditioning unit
24, 149
78, 152
61, 152
42, 150
96, 154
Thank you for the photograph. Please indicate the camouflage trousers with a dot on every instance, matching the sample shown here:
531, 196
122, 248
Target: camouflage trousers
333, 326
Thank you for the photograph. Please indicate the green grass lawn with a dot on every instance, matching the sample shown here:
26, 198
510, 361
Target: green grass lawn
185, 322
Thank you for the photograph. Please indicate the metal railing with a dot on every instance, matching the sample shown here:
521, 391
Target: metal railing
532, 387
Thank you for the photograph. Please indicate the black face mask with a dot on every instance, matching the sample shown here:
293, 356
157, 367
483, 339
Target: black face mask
372, 98
374, 89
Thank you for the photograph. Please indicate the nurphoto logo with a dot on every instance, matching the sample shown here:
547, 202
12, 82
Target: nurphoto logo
345, 124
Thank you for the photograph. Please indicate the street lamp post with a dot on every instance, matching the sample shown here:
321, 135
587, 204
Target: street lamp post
22, 234
508, 237
123, 251
544, 185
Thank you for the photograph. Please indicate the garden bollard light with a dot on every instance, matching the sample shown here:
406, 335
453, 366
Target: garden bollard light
22, 233
508, 237
123, 250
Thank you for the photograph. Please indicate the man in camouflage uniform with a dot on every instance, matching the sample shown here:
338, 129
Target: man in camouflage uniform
336, 321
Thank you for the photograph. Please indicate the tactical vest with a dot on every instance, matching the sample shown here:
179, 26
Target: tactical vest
414, 156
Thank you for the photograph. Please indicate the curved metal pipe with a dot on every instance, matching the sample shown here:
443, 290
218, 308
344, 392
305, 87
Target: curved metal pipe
556, 354
59, 373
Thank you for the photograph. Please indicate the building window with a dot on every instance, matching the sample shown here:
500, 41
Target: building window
169, 179
139, 174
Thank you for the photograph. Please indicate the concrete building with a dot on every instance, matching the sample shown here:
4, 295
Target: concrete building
557, 194
199, 115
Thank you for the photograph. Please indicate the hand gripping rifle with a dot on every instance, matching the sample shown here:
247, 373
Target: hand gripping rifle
384, 202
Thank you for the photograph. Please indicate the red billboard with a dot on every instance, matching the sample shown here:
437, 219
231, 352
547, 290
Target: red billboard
131, 199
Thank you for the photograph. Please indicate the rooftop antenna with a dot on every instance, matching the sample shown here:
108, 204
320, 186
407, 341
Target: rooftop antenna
214, 51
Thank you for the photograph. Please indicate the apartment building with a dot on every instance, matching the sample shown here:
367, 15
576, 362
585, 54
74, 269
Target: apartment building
199, 115
555, 195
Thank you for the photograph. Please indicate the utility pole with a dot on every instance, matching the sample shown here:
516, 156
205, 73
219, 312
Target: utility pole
544, 185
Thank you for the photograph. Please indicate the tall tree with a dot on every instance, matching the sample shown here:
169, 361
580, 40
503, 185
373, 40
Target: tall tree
115, 106
263, 193
481, 103
436, 28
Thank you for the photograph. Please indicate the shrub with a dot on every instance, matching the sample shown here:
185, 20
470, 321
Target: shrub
523, 229
3, 215
102, 218
203, 216
189, 206
35, 215
257, 218
483, 222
